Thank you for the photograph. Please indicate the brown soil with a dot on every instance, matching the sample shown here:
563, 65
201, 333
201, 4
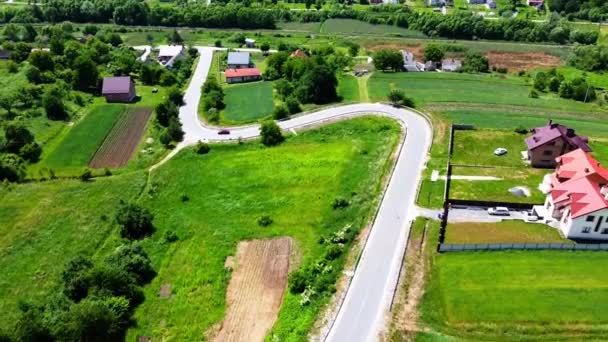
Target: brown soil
122, 140
518, 61
165, 291
256, 289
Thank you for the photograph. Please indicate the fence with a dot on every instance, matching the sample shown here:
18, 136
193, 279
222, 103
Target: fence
488, 204
445, 247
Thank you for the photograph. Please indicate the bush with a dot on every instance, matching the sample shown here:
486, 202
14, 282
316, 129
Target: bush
134, 260
86, 175
271, 133
533, 94
202, 148
340, 203
170, 236
265, 221
12, 167
293, 105
218, 43
135, 221
213, 115
521, 129
333, 252
31, 152
298, 281
280, 112
184, 198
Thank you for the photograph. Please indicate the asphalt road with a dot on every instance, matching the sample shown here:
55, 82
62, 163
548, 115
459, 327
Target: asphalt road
361, 316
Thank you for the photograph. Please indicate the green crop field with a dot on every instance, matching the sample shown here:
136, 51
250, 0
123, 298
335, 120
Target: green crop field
542, 295
507, 231
43, 225
348, 88
433, 87
82, 140
248, 102
352, 26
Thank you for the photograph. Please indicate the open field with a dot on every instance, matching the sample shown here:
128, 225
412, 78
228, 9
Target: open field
352, 26
228, 190
43, 225
79, 145
523, 60
476, 147
456, 89
122, 140
256, 289
248, 102
506, 231
348, 88
540, 295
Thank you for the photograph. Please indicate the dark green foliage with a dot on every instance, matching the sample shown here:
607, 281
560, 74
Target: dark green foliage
31, 325
175, 130
167, 79
33, 74
170, 236
265, 47
165, 111
340, 203
42, 60
283, 88
540, 81
15, 137
333, 252
97, 320
86, 175
280, 112
554, 84
202, 148
397, 98
76, 278
577, 89
533, 94
150, 73
590, 58
271, 134
135, 221
265, 221
521, 130
475, 62
293, 105
12, 67
12, 167
318, 85
184, 198
134, 260
107, 281
21, 52
30, 152
176, 96
52, 101
434, 53
298, 281
388, 59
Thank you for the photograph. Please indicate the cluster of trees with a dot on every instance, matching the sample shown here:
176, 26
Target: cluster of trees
212, 100
594, 10
135, 12
475, 62
388, 59
590, 58
577, 89
17, 146
97, 300
167, 117
310, 79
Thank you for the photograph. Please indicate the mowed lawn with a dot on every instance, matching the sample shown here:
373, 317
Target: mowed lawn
476, 147
229, 189
502, 232
80, 143
43, 225
353, 26
348, 88
441, 87
248, 102
503, 293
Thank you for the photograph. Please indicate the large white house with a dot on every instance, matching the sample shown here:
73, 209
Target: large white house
577, 197
167, 55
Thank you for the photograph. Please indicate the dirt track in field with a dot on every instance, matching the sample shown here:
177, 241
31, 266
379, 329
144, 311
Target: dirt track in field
122, 140
256, 289
518, 61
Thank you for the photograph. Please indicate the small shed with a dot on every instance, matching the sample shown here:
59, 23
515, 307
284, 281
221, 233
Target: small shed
250, 43
242, 75
238, 60
118, 89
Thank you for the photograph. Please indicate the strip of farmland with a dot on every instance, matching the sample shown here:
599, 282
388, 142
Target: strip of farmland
120, 144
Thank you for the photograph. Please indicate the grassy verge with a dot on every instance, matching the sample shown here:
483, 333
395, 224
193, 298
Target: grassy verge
247, 102
506, 231
348, 88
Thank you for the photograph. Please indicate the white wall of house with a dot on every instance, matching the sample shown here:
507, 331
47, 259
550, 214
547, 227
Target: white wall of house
593, 226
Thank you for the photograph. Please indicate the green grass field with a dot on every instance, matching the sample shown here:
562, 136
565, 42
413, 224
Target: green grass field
247, 102
348, 88
352, 26
45, 224
82, 140
476, 147
542, 295
506, 231
466, 89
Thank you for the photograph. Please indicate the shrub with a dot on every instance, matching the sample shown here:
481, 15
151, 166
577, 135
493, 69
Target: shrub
213, 115
533, 94
340, 203
280, 112
521, 129
86, 175
184, 198
218, 43
333, 252
265, 221
271, 133
202, 148
293, 105
170, 236
135, 221
134, 260
298, 281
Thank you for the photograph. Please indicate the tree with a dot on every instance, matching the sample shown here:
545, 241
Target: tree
202, 148
42, 60
29, 33
33, 74
388, 59
100, 320
280, 112
176, 38
16, 137
566, 90
52, 101
21, 52
167, 79
283, 88
318, 85
165, 111
176, 96
434, 53
76, 278
271, 133
134, 260
540, 81
135, 221
31, 152
86, 74
30, 325
554, 84
56, 44
7, 102
114, 39
293, 105
149, 74
12, 167
90, 29
396, 96
353, 49
475, 62
175, 130
265, 47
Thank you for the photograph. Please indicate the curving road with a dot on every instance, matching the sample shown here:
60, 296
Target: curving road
361, 315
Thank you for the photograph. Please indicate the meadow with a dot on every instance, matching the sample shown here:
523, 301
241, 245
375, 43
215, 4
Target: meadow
507, 231
544, 295
247, 102
348, 88
80, 143
353, 26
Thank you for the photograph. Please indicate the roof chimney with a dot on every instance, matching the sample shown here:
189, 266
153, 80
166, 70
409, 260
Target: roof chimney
570, 133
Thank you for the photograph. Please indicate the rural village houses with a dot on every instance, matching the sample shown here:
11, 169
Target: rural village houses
551, 141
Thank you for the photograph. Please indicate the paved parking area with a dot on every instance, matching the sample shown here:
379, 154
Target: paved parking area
480, 214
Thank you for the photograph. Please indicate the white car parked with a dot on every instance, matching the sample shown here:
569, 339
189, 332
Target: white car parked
499, 211
500, 151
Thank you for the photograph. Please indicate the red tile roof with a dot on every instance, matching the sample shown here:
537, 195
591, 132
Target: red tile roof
552, 131
577, 164
299, 53
245, 72
583, 195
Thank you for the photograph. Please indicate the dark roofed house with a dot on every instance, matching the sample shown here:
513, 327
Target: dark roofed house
551, 141
118, 89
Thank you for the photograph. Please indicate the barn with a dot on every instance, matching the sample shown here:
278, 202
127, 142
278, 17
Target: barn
118, 89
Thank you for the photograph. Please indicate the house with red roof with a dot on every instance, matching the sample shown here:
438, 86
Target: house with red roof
299, 53
242, 75
578, 197
551, 141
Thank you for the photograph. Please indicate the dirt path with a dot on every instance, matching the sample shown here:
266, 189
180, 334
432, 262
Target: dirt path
256, 289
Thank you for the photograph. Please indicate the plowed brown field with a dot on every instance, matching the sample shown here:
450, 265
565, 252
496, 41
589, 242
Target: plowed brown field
122, 140
256, 289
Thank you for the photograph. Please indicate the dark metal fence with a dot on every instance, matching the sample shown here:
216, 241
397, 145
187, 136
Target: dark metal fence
446, 247
488, 204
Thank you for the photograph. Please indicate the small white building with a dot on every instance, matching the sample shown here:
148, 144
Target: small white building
168, 54
250, 43
409, 62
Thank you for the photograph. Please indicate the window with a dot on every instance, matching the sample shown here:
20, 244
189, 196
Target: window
590, 218
605, 231
547, 153
586, 229
545, 161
